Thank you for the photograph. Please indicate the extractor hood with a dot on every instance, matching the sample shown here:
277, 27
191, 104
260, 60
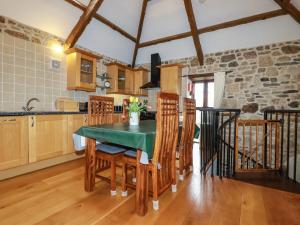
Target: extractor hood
155, 73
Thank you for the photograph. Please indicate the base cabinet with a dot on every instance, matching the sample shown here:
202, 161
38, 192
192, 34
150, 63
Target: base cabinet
48, 136
13, 142
74, 123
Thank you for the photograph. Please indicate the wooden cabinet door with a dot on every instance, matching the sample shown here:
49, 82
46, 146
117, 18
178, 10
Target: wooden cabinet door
74, 123
140, 78
13, 142
48, 136
129, 82
112, 71
170, 79
116, 118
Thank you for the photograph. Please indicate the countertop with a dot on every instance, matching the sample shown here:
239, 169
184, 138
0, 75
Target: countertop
33, 113
4, 113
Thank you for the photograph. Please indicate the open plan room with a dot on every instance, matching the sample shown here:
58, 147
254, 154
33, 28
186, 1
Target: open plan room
149, 112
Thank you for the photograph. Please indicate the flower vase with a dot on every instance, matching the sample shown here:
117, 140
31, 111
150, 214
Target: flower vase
134, 119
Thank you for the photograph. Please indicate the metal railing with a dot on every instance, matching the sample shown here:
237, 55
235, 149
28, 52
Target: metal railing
290, 149
217, 142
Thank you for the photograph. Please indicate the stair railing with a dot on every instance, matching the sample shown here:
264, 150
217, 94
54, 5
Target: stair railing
289, 141
217, 142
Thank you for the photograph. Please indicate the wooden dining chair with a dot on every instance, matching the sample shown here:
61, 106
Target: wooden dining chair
162, 165
185, 148
100, 111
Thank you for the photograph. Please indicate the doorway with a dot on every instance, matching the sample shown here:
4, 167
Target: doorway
203, 91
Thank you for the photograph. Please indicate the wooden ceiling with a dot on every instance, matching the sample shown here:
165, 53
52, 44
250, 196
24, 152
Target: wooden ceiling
90, 12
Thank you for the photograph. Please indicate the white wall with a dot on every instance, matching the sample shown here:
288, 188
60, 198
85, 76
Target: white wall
278, 29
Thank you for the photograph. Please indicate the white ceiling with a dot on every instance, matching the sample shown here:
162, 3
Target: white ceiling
163, 18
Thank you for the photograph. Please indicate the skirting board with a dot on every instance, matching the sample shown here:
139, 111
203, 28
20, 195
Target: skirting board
13, 172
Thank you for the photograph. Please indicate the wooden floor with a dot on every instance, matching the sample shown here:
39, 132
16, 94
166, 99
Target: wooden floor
56, 196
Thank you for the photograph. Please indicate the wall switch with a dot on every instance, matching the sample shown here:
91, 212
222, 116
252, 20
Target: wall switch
54, 64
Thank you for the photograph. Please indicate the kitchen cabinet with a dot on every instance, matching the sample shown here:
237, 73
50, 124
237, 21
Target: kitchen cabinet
125, 80
121, 79
140, 78
118, 118
74, 123
13, 142
48, 135
81, 70
171, 78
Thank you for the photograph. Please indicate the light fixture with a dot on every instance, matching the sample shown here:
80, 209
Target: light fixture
55, 46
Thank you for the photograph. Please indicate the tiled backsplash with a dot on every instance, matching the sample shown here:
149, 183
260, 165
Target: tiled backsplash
25, 73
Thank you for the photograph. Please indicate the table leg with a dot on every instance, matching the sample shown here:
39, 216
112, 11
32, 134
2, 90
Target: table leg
141, 206
90, 163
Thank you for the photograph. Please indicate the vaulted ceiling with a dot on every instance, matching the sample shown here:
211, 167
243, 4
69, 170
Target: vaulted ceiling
116, 29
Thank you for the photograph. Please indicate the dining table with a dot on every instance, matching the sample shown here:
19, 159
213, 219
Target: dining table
140, 137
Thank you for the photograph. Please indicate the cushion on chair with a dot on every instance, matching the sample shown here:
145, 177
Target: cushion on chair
110, 149
130, 153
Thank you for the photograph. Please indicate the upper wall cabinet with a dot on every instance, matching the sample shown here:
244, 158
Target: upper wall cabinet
170, 78
140, 78
81, 69
125, 80
121, 79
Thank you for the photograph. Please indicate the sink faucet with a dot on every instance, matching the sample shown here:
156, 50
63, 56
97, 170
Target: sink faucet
27, 108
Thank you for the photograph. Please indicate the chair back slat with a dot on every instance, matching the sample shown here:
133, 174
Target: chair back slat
166, 136
100, 110
188, 129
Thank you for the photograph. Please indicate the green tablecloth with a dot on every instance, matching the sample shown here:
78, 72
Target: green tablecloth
137, 137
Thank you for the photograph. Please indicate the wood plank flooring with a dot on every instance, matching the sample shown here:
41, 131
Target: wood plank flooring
56, 196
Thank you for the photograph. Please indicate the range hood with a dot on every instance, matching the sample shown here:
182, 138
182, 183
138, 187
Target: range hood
155, 73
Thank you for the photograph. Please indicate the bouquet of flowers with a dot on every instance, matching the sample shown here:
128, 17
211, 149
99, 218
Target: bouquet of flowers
135, 107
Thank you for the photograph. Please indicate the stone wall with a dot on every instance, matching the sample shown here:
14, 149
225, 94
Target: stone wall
25, 68
257, 78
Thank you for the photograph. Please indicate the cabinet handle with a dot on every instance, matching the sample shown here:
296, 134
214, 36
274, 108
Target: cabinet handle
85, 119
12, 120
32, 121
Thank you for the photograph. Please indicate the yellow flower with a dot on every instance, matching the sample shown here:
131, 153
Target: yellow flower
136, 100
131, 99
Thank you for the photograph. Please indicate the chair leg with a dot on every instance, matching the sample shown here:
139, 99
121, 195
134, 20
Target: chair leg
181, 166
113, 191
133, 175
124, 179
155, 190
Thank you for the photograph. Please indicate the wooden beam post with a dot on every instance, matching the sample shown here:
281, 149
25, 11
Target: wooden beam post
289, 8
194, 30
82, 23
139, 33
103, 20
232, 23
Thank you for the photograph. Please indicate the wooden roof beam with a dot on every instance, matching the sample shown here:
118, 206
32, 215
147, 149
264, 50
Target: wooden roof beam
289, 8
103, 20
194, 31
83, 21
245, 20
139, 33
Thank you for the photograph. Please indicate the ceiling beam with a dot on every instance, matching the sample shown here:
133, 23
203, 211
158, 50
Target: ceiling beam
82, 23
103, 20
245, 20
139, 33
194, 31
287, 6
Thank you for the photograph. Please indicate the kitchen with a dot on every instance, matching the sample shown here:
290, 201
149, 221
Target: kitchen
49, 71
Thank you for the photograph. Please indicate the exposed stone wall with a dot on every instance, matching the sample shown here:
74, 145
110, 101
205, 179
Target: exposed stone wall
257, 78
25, 68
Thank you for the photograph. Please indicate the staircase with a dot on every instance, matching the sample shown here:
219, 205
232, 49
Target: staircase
265, 148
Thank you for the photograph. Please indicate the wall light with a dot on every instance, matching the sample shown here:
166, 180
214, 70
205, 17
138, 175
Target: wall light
56, 46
